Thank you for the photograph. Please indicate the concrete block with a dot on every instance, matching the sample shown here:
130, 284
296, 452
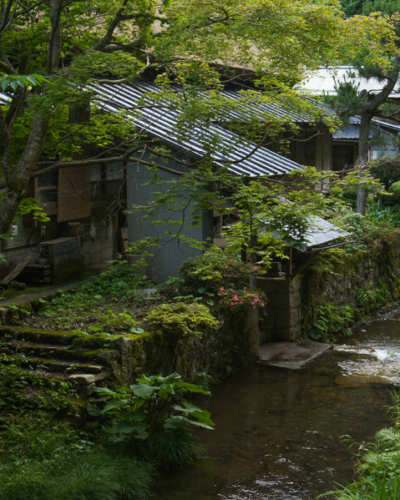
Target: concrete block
295, 285
295, 332
295, 299
273, 285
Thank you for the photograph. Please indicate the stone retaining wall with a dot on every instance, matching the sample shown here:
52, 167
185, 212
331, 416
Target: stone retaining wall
360, 282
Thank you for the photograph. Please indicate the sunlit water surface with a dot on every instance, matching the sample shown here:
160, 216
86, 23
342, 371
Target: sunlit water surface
279, 433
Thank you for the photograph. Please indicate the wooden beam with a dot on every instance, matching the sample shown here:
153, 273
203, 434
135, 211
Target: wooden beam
16, 271
305, 263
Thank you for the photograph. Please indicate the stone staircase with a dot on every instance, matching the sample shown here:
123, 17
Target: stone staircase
60, 356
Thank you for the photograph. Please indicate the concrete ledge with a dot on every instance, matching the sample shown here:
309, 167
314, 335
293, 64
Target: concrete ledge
291, 355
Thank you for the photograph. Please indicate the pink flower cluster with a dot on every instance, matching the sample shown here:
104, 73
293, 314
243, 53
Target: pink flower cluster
237, 298
238, 269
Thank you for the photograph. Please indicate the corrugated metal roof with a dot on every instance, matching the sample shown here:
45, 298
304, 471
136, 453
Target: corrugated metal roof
385, 124
352, 131
160, 121
349, 133
319, 232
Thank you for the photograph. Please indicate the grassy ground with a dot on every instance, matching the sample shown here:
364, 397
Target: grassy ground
50, 447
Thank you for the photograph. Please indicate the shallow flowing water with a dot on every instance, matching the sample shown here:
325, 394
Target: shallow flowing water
279, 433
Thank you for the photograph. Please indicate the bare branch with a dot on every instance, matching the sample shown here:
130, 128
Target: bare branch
83, 163
6, 16
110, 32
26, 9
6, 65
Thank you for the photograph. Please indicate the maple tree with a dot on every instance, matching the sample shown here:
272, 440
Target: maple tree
52, 50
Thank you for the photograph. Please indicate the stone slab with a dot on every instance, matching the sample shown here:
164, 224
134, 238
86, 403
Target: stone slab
291, 355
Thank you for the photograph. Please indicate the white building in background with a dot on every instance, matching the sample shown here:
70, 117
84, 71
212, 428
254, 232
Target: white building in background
383, 135
325, 80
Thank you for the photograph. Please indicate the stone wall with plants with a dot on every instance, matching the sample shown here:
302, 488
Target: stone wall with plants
345, 285
188, 339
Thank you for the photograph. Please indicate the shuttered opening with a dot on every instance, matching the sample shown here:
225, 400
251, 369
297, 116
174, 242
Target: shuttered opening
74, 186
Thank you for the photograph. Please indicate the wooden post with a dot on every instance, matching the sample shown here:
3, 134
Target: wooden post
289, 264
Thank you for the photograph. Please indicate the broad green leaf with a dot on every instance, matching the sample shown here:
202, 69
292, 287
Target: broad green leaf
173, 423
202, 416
142, 390
95, 412
115, 403
124, 427
106, 391
190, 421
187, 406
191, 387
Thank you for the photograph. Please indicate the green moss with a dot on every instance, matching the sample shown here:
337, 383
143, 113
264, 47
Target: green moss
94, 353
138, 336
365, 290
30, 332
11, 293
182, 319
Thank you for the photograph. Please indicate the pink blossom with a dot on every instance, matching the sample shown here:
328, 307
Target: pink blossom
231, 260
254, 303
241, 301
222, 289
219, 295
232, 303
254, 307
226, 267
236, 297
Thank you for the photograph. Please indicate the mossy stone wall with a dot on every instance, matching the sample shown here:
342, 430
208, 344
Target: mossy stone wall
355, 284
219, 353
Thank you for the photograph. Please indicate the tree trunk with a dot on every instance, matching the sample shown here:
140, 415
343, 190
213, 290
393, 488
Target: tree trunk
367, 115
365, 128
18, 184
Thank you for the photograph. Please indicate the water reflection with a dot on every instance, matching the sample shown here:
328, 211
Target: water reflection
278, 433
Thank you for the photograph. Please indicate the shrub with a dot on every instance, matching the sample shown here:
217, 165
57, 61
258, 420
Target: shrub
150, 407
378, 466
241, 298
182, 319
96, 475
171, 450
216, 268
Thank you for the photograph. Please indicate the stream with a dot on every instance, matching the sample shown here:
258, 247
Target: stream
279, 433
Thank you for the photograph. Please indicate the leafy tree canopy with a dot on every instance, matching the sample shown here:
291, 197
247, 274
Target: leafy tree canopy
53, 52
365, 7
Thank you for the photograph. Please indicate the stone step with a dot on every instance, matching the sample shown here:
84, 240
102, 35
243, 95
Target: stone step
79, 378
51, 351
42, 336
55, 365
84, 383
